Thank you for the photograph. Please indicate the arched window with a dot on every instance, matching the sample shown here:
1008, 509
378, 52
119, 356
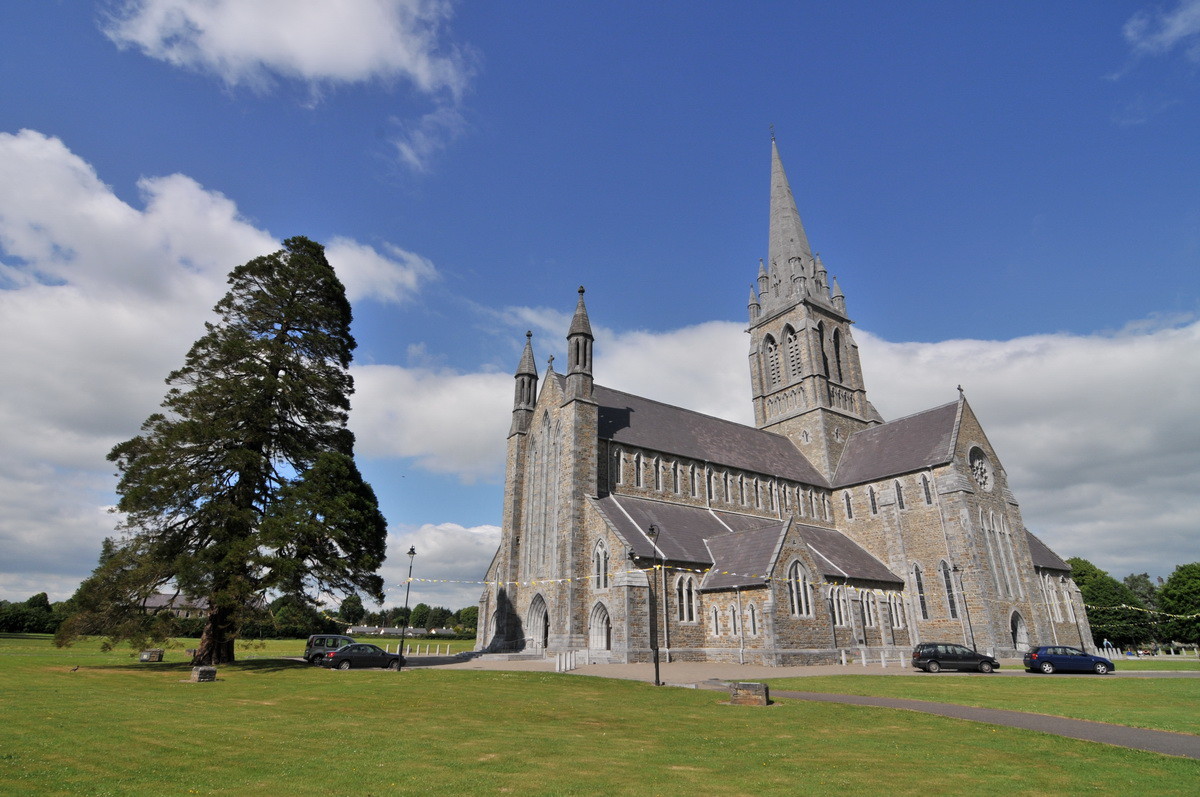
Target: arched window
948, 581
919, 583
849, 508
925, 487
733, 620
837, 355
752, 617
792, 342
600, 566
716, 621
870, 610
799, 590
896, 609
899, 495
771, 350
841, 606
874, 503
686, 599
618, 467
657, 474
1067, 602
637, 469
709, 482
821, 348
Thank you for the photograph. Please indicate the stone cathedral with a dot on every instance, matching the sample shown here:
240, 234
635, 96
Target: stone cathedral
631, 526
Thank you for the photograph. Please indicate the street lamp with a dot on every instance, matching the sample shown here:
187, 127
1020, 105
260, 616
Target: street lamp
412, 551
966, 609
652, 533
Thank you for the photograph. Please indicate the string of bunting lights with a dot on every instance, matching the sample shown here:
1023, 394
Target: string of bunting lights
767, 578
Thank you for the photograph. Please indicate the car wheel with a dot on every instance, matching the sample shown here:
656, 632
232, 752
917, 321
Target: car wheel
933, 666
1046, 667
394, 665
1100, 668
985, 666
345, 665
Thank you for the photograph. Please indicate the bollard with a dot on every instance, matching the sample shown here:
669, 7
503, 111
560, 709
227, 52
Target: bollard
864, 656
843, 654
883, 659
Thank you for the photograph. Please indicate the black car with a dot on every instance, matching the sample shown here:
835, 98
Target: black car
938, 656
361, 654
1060, 658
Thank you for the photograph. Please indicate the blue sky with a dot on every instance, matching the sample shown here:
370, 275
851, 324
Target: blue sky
1009, 195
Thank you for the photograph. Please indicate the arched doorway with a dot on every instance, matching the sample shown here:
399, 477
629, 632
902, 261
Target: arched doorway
600, 629
1020, 633
539, 622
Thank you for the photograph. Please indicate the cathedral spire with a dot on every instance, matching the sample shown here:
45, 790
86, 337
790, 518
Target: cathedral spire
787, 238
525, 391
579, 353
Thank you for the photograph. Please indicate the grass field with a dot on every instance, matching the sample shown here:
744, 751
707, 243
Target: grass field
271, 726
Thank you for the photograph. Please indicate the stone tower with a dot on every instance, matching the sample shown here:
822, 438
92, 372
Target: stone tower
806, 379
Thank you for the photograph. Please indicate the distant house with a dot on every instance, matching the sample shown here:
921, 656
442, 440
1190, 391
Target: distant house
179, 605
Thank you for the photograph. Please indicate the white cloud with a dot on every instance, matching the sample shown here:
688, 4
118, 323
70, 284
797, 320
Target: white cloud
99, 301
395, 277
316, 41
1158, 31
448, 567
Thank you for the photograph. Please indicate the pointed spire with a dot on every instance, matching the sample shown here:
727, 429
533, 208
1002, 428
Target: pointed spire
787, 237
839, 298
580, 324
753, 305
525, 390
579, 354
527, 367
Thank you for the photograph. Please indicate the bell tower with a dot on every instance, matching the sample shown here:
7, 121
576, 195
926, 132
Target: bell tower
805, 376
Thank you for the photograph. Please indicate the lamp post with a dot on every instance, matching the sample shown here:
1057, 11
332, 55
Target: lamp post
652, 533
412, 551
966, 609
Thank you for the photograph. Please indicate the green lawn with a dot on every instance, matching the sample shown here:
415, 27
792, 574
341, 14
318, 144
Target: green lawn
270, 726
1139, 702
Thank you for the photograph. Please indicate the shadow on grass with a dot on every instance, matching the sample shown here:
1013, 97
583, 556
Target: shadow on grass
244, 665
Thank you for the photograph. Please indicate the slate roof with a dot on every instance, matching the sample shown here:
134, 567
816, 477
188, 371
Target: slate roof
1042, 555
902, 446
840, 558
740, 549
636, 421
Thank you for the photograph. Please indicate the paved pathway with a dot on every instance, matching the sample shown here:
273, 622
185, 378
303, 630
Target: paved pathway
705, 675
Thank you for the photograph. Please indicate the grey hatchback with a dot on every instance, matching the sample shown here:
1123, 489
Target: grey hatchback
938, 656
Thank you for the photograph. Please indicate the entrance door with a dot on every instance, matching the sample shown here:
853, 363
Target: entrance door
600, 629
539, 623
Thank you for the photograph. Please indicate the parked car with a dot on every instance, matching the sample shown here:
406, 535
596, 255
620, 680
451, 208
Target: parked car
937, 656
1053, 658
320, 644
361, 654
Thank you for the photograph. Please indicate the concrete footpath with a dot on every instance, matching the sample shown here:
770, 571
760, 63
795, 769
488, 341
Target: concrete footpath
715, 676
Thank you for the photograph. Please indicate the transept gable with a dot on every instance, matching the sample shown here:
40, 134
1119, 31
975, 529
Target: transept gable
922, 440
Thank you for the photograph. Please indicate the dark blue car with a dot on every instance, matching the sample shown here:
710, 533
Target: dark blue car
361, 655
1059, 658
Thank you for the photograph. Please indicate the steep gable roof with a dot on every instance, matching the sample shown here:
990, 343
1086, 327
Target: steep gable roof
739, 549
636, 421
1042, 555
904, 445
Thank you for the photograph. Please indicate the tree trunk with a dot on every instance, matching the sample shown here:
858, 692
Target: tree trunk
216, 643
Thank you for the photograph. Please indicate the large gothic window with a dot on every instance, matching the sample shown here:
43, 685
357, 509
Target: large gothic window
919, 583
841, 606
792, 342
870, 610
686, 599
799, 590
821, 348
948, 581
600, 566
771, 350
837, 355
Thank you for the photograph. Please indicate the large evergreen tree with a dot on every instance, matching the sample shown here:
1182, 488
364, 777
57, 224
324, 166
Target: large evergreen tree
246, 482
1180, 596
1114, 611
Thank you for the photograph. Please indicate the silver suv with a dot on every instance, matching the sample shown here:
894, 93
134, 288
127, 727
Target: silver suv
320, 644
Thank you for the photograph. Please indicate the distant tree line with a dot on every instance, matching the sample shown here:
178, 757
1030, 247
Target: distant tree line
288, 617
1137, 612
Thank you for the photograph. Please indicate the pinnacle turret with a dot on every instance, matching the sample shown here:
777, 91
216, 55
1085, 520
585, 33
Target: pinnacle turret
579, 353
525, 390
